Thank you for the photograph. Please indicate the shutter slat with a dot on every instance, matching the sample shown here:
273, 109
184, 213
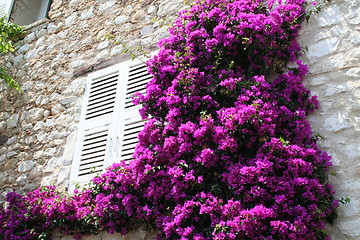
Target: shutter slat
103, 81
90, 164
90, 171
93, 148
130, 145
99, 80
95, 139
140, 78
130, 139
99, 99
92, 154
95, 158
102, 94
127, 152
136, 88
99, 113
133, 127
140, 67
137, 80
100, 104
127, 157
103, 89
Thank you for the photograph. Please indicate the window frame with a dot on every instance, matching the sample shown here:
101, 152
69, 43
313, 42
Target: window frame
7, 9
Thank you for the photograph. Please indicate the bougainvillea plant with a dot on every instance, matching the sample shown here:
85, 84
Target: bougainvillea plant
226, 152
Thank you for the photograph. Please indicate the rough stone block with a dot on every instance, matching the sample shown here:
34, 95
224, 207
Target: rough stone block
322, 48
4, 116
26, 166
50, 122
31, 54
103, 45
19, 60
13, 121
41, 32
337, 122
108, 236
350, 227
70, 19
317, 80
169, 6
52, 164
117, 50
120, 19
52, 27
22, 178
331, 16
2, 126
353, 72
77, 63
64, 175
68, 100
56, 4
11, 140
29, 140
50, 152
103, 55
35, 114
41, 137
30, 37
107, 6
24, 48
354, 38
146, 30
87, 14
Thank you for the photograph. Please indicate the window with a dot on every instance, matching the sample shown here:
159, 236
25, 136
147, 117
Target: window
24, 12
109, 121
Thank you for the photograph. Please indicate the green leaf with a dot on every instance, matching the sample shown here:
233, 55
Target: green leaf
344, 200
284, 142
8, 32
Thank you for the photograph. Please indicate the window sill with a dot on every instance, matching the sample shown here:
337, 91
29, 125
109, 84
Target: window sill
36, 25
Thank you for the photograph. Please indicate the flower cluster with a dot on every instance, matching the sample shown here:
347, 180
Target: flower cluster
226, 153
44, 211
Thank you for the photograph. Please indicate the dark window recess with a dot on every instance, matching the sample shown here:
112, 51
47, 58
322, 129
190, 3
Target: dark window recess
25, 12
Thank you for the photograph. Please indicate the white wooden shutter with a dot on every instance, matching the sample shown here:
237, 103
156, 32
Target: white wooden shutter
96, 141
110, 122
6, 7
131, 121
93, 150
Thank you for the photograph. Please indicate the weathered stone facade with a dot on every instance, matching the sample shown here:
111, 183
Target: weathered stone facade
333, 41
38, 128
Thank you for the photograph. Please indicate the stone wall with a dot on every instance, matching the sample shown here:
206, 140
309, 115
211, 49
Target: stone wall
333, 41
38, 127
